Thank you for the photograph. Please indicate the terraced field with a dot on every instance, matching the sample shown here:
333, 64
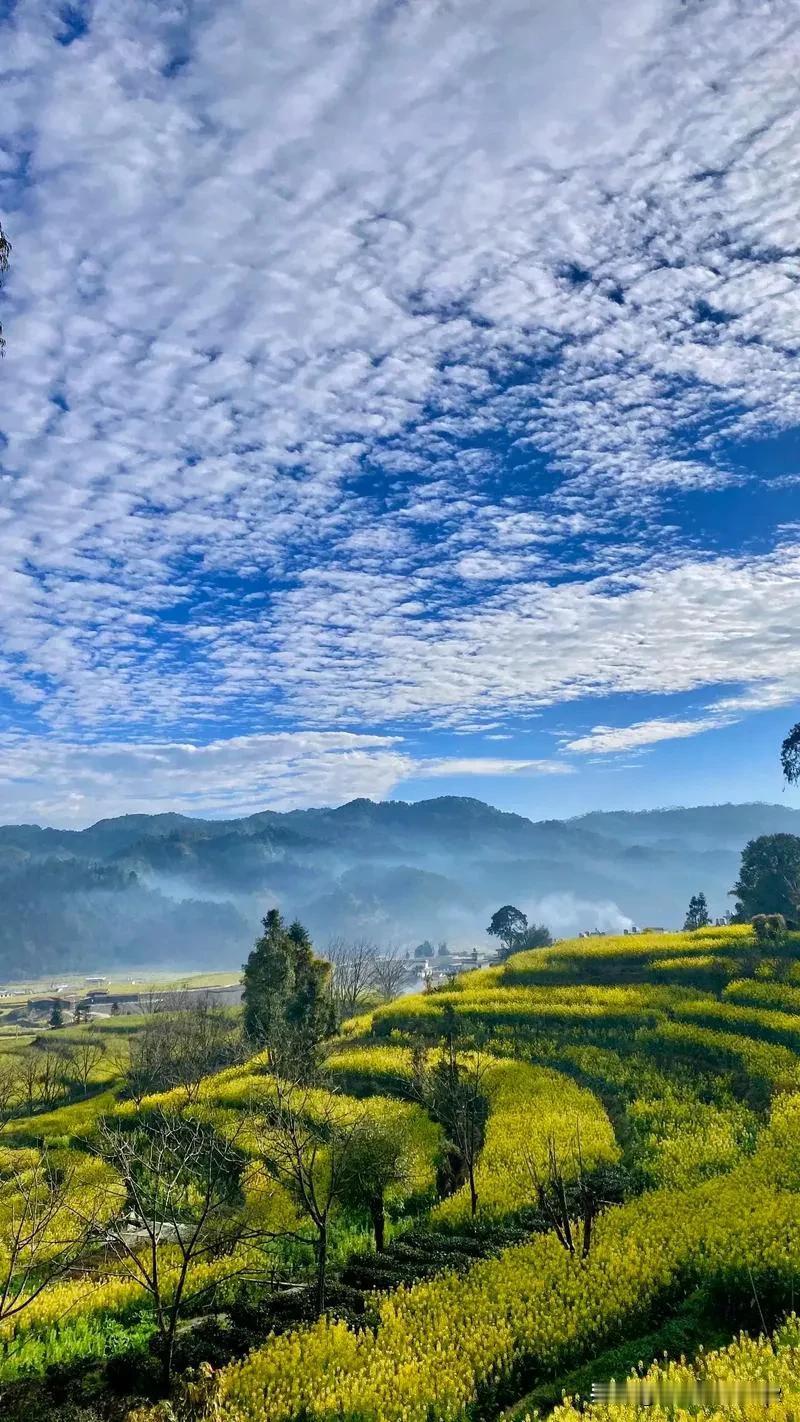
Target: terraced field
658, 1076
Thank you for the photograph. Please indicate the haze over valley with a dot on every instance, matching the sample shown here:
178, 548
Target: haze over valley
189, 893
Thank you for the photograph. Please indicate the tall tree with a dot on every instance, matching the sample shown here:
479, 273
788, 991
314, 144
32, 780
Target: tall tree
352, 968
454, 1091
46, 1224
508, 924
769, 877
790, 756
310, 1013
287, 1000
268, 980
536, 935
697, 915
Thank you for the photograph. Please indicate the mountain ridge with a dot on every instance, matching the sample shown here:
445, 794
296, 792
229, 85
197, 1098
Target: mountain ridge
189, 892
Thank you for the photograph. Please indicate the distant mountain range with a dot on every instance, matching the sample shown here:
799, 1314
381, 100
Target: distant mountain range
179, 892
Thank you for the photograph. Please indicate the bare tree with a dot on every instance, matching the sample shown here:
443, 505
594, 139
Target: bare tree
307, 1150
84, 1056
10, 1086
40, 1076
180, 1185
390, 971
570, 1205
455, 1094
178, 1046
353, 974
42, 1234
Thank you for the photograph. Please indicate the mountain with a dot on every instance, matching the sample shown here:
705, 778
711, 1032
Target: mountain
188, 893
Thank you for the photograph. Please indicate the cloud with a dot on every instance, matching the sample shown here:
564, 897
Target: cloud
69, 783
356, 354
487, 765
606, 740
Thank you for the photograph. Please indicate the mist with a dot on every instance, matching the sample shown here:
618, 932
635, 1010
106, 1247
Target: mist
147, 890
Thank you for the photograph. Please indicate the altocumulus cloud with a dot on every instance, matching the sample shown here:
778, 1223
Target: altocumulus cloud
68, 783
355, 352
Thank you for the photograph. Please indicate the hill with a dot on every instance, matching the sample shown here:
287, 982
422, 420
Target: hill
188, 892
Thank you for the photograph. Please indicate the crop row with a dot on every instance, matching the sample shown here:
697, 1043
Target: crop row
441, 1345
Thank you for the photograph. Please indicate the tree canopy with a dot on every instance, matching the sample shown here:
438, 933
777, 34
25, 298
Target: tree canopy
697, 915
507, 924
769, 877
287, 1002
790, 756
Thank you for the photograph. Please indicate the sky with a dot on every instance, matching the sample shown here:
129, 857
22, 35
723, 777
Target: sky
400, 399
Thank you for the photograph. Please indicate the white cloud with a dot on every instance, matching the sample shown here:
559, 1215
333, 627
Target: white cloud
606, 740
488, 765
70, 783
274, 315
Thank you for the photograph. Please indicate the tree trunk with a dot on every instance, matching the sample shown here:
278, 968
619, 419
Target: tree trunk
167, 1351
379, 1225
473, 1193
322, 1266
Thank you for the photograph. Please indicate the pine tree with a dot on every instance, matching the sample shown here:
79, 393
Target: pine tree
268, 980
57, 1015
287, 1001
697, 915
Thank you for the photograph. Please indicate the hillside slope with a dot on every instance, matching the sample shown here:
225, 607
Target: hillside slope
189, 892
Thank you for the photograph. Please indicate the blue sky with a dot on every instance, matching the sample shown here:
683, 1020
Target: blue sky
400, 399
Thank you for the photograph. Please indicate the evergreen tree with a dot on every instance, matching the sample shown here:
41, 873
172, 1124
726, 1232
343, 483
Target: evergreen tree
268, 980
697, 915
57, 1015
287, 1000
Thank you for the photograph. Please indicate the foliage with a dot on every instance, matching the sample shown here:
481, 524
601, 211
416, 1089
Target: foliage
287, 1003
790, 756
769, 877
697, 915
508, 924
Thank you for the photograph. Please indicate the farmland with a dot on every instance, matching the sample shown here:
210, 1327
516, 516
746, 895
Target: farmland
633, 1190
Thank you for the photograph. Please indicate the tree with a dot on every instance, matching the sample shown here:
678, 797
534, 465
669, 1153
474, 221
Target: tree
424, 949
769, 877
352, 973
115, 1008
179, 1045
9, 1086
287, 1001
454, 1093
42, 1234
378, 1158
790, 756
566, 1203
56, 1018
5, 254
40, 1073
508, 924
179, 1183
536, 935
769, 929
309, 1011
389, 972
82, 1059
306, 1147
697, 915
